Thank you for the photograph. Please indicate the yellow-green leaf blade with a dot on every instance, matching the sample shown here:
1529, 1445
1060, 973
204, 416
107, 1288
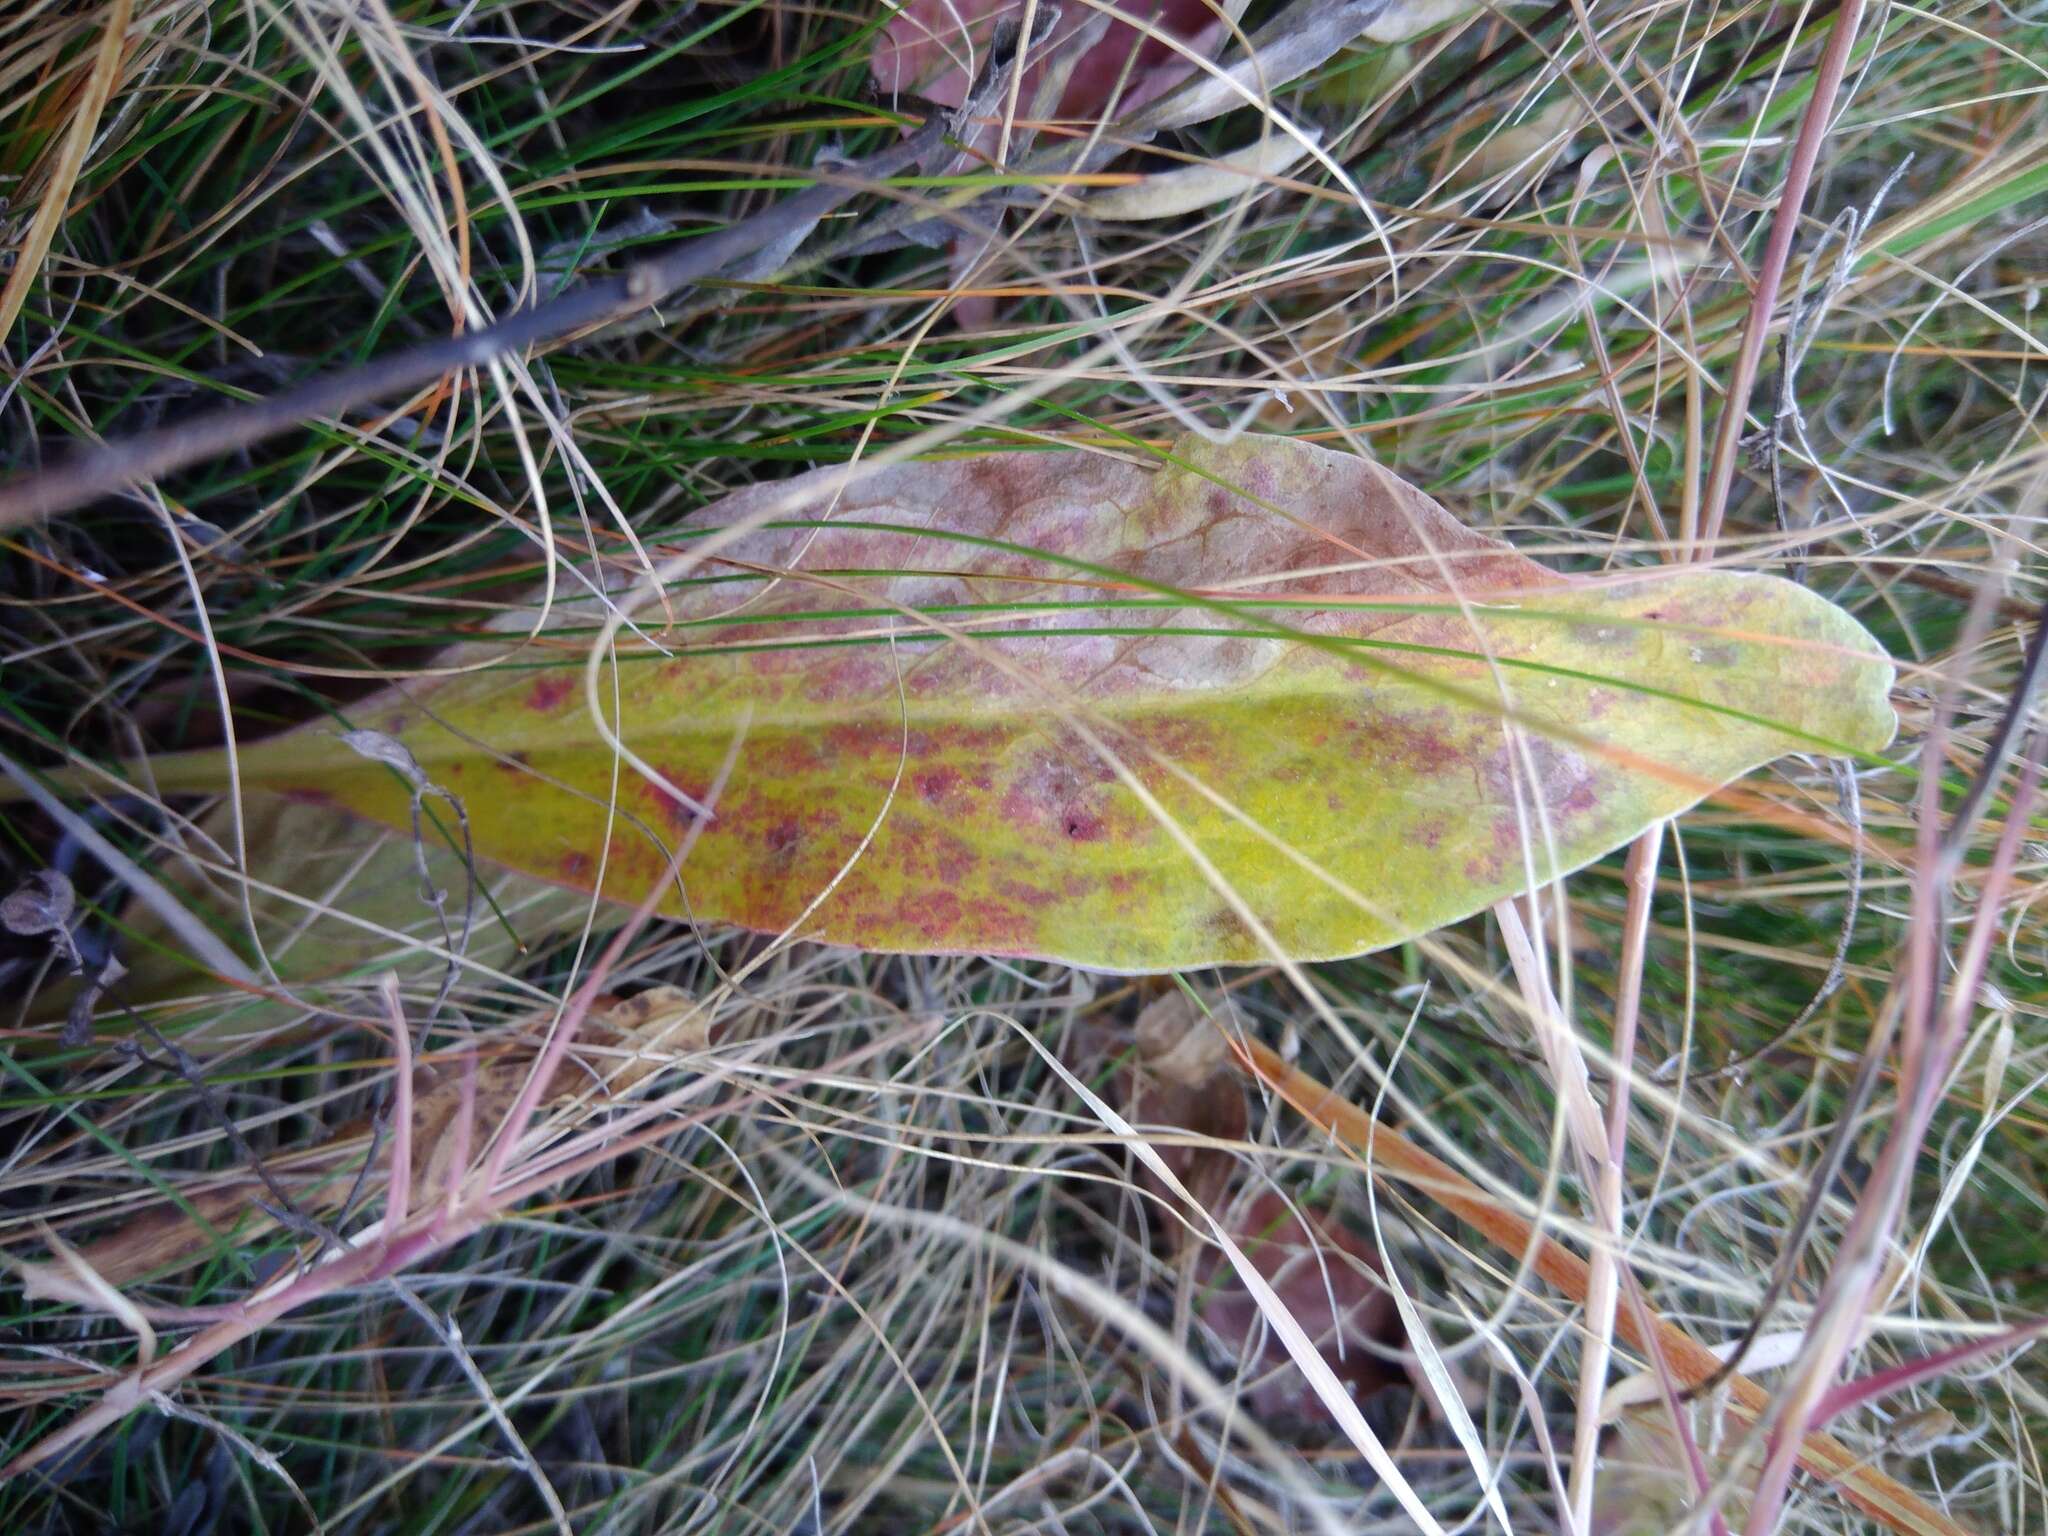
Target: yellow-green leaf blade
1367, 719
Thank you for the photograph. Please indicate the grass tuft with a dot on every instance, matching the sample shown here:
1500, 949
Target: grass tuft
847, 1253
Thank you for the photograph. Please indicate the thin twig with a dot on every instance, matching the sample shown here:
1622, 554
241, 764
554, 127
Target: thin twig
1813, 128
449, 1333
642, 286
1930, 1029
179, 1063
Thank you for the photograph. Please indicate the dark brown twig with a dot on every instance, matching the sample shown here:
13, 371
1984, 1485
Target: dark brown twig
603, 301
281, 1207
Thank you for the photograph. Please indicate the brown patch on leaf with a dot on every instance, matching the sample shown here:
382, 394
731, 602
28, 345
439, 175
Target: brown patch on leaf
549, 693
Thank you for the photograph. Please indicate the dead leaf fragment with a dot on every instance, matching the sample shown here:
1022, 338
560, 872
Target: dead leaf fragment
933, 48
1181, 1079
1178, 1076
1329, 1279
41, 905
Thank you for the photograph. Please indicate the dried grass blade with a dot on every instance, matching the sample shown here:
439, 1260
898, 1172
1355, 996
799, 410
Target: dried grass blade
1883, 1498
85, 122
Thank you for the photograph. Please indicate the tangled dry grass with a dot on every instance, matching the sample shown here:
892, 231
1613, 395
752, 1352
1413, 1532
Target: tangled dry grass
849, 1243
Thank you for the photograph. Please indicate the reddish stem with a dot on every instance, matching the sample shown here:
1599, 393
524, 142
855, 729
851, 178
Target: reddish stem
1853, 1394
1770, 276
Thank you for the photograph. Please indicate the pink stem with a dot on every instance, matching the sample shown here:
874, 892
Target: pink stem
354, 1268
1770, 276
1925, 1059
1667, 1385
1641, 878
398, 1198
1853, 1394
1962, 997
521, 1115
